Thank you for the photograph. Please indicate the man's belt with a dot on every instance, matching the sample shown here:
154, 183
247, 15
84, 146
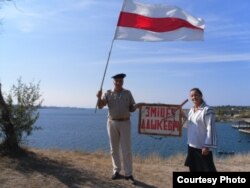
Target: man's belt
119, 119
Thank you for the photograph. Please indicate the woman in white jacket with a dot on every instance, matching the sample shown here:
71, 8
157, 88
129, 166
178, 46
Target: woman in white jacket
201, 134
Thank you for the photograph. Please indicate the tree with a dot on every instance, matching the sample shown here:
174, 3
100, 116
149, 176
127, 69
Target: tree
18, 113
1, 3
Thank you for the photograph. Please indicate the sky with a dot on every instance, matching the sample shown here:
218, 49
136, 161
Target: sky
64, 45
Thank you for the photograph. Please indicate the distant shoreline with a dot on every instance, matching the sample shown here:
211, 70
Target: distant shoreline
218, 119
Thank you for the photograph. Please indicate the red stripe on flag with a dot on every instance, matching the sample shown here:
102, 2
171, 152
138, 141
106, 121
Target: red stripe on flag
152, 24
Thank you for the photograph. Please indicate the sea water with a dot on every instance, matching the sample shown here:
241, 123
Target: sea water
84, 130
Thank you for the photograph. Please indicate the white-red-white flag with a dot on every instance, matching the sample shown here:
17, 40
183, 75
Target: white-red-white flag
157, 22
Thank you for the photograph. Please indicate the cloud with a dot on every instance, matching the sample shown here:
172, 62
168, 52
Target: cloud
227, 27
190, 59
32, 15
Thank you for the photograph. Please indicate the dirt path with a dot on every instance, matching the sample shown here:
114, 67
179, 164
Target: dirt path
69, 169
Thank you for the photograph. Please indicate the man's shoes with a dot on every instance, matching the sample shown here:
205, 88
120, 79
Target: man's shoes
116, 176
130, 178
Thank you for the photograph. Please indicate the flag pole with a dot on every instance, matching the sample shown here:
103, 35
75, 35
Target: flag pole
105, 70
106, 67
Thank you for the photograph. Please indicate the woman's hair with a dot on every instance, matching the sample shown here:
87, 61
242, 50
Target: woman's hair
197, 90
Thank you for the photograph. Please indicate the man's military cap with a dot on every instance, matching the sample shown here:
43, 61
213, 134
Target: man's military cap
121, 75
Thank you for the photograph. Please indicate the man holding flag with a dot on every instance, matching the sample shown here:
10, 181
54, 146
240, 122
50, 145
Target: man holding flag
120, 104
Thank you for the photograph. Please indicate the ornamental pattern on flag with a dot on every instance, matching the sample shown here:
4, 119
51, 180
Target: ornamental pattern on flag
157, 22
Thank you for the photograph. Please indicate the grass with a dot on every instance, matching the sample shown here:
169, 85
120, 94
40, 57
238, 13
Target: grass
74, 169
